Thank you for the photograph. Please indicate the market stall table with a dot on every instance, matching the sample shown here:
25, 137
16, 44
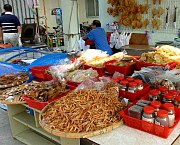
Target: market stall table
26, 129
125, 135
137, 49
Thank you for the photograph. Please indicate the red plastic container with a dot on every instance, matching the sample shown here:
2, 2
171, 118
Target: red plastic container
40, 72
140, 64
89, 42
71, 87
126, 70
71, 83
98, 69
38, 104
135, 96
147, 126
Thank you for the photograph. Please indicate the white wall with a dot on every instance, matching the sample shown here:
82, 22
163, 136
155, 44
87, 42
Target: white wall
82, 12
51, 19
161, 35
104, 17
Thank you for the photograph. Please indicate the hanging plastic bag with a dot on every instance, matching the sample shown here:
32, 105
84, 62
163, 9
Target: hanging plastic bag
82, 45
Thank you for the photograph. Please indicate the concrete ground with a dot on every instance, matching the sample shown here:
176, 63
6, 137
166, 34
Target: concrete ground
6, 136
5, 130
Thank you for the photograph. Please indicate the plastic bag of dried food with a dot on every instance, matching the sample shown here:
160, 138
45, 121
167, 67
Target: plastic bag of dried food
60, 71
102, 84
148, 74
117, 74
174, 77
81, 75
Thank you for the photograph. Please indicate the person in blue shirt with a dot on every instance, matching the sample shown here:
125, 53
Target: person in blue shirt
98, 34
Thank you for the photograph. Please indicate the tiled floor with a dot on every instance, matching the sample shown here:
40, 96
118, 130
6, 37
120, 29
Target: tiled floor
5, 131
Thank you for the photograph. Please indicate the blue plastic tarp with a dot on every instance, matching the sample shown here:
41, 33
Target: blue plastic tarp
7, 68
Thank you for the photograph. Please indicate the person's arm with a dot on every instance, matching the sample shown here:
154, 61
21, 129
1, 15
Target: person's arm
89, 36
19, 29
85, 37
18, 25
1, 34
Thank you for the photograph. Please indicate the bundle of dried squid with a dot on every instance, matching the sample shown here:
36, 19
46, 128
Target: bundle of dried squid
83, 111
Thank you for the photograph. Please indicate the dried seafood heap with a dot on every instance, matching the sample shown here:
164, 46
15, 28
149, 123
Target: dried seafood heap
84, 111
44, 91
129, 12
99, 62
165, 54
13, 79
126, 61
13, 94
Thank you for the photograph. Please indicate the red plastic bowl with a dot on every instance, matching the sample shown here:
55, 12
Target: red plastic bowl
98, 69
40, 72
140, 64
126, 70
38, 104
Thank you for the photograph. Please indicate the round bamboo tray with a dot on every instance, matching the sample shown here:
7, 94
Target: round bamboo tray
14, 84
12, 103
76, 135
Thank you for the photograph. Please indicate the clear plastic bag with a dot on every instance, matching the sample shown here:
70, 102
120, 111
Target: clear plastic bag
117, 74
60, 71
149, 74
81, 75
102, 84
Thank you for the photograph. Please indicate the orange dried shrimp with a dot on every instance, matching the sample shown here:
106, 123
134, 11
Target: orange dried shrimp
83, 111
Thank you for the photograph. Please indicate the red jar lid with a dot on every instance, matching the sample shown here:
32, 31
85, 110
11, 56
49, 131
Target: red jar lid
120, 78
124, 82
130, 79
173, 92
168, 96
132, 84
163, 89
148, 110
138, 81
154, 92
177, 98
168, 106
156, 104
162, 113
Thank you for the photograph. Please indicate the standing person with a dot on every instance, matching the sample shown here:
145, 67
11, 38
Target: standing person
99, 36
10, 27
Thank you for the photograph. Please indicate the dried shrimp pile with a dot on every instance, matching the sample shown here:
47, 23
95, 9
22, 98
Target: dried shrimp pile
44, 91
83, 111
13, 94
81, 75
13, 79
165, 54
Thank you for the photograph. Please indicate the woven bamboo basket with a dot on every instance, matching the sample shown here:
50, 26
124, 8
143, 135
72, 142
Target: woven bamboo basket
12, 103
76, 135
